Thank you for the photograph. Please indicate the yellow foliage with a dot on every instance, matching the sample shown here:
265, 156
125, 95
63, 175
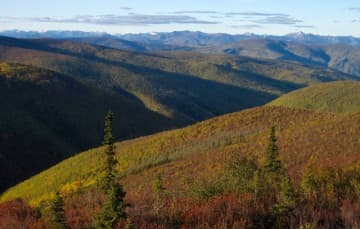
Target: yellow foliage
71, 187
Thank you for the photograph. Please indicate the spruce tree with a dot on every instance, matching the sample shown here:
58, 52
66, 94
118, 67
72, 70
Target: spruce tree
272, 165
57, 212
114, 207
109, 145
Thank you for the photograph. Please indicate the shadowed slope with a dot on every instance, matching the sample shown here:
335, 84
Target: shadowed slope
47, 116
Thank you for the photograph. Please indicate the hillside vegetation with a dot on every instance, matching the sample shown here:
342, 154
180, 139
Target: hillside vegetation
46, 117
340, 97
193, 161
198, 151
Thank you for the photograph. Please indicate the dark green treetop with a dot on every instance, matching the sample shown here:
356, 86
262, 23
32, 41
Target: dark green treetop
57, 212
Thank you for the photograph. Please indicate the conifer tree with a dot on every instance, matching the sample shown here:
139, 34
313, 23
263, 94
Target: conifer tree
114, 207
272, 165
57, 212
109, 152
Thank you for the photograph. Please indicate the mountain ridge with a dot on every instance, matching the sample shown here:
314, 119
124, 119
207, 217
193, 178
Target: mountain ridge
337, 52
229, 38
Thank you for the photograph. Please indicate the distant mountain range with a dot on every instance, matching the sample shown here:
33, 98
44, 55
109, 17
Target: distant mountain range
342, 57
56, 34
188, 38
337, 52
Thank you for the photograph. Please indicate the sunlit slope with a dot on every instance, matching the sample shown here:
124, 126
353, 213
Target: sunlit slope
200, 150
340, 97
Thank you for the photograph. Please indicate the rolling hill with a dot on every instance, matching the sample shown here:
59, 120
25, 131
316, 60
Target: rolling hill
337, 52
340, 53
112, 42
46, 117
342, 56
191, 160
339, 97
175, 94
176, 85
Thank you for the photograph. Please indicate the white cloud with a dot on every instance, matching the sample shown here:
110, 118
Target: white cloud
130, 19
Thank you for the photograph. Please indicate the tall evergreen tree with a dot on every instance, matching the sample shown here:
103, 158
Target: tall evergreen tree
57, 212
109, 145
272, 166
114, 207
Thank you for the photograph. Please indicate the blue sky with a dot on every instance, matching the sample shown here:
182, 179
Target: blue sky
327, 17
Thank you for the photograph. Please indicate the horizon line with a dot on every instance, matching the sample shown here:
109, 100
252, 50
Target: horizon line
174, 31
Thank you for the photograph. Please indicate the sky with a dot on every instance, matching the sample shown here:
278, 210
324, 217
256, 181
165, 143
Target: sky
278, 17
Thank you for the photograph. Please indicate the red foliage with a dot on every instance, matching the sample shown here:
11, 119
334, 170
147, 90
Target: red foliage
350, 211
17, 214
231, 211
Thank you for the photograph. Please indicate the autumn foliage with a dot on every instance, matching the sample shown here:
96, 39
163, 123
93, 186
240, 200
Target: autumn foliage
226, 173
